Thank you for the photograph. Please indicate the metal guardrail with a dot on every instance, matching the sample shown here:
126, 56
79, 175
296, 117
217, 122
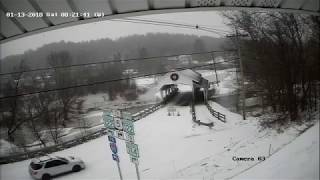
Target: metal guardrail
216, 114
50, 149
146, 112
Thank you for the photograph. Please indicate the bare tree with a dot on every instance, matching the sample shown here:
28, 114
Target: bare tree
14, 114
63, 78
278, 57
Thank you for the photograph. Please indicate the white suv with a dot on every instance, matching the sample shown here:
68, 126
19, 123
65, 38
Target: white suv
46, 167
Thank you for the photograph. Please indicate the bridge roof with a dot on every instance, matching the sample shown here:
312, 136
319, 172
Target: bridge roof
22, 24
186, 77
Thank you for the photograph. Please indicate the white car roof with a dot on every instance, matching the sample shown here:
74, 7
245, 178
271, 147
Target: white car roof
42, 159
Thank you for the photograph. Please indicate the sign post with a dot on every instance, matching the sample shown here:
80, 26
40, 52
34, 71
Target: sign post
137, 170
120, 125
119, 170
109, 123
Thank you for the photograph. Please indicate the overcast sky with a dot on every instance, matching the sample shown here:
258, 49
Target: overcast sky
114, 30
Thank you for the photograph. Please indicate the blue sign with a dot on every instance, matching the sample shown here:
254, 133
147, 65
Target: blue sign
112, 139
115, 157
113, 147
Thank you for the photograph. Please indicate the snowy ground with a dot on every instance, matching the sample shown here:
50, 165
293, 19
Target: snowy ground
298, 160
227, 80
174, 148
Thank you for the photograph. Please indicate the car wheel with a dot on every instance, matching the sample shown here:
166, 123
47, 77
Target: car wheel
76, 168
46, 177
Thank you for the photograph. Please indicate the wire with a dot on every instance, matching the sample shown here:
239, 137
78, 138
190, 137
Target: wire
109, 81
110, 61
136, 20
161, 23
177, 23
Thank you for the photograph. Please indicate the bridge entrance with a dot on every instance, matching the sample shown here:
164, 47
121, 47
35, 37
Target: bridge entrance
170, 81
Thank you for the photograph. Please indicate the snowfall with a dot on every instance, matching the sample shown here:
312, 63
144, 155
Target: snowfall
173, 147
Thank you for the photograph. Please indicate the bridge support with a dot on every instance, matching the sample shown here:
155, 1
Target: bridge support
205, 95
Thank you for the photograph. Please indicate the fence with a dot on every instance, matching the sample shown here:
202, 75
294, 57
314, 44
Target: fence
146, 112
194, 118
50, 149
216, 114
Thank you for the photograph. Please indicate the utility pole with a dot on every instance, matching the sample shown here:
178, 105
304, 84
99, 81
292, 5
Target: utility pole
215, 68
243, 89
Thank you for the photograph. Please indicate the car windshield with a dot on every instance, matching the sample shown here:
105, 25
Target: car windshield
35, 166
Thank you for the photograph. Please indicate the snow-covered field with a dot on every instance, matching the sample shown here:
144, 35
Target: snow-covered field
227, 80
172, 147
7, 147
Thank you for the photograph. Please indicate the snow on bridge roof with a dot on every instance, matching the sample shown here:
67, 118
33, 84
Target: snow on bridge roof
186, 77
23, 21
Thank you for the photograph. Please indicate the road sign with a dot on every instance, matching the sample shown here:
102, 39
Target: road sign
116, 113
110, 132
115, 157
128, 127
129, 138
113, 147
128, 144
127, 116
118, 123
132, 149
120, 135
108, 122
112, 139
171, 109
134, 160
174, 76
107, 112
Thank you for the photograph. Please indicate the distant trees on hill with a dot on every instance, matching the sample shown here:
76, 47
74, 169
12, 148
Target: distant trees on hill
155, 44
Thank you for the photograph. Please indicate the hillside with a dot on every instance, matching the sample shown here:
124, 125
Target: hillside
154, 44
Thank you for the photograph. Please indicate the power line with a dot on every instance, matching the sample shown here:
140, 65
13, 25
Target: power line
143, 21
109, 81
111, 61
179, 25
182, 23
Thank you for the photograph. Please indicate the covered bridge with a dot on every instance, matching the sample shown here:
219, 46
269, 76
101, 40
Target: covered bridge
168, 83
